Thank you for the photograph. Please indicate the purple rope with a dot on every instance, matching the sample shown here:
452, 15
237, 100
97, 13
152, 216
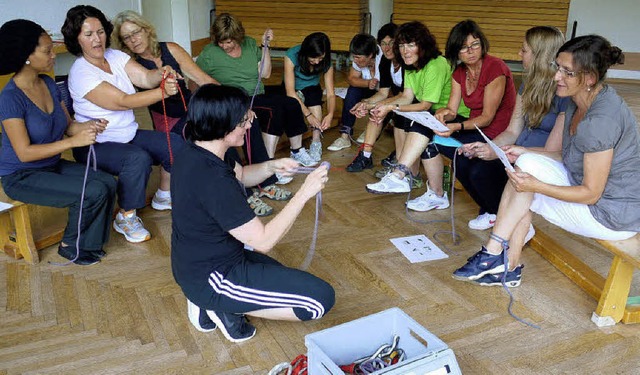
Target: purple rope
255, 91
91, 156
312, 247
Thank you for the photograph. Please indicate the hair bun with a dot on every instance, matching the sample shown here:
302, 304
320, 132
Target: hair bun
616, 56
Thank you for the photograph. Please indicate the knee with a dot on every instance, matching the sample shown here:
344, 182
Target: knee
137, 163
97, 191
528, 162
323, 297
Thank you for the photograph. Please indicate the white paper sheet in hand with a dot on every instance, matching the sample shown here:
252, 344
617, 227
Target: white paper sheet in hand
341, 92
424, 118
501, 155
418, 248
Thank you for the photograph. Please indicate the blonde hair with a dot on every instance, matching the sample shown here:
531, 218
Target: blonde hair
539, 85
137, 19
226, 26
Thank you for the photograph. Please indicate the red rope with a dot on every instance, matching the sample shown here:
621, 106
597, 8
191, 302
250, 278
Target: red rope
166, 120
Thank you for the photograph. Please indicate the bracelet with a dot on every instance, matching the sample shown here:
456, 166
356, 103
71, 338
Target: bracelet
308, 114
397, 107
462, 126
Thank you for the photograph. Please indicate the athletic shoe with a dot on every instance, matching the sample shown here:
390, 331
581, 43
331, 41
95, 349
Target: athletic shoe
85, 258
234, 327
429, 201
304, 158
161, 204
131, 227
360, 163
480, 264
390, 184
512, 279
361, 137
339, 144
390, 160
315, 150
483, 222
283, 180
530, 234
199, 318
383, 172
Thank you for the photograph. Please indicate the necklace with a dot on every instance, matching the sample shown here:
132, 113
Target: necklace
471, 77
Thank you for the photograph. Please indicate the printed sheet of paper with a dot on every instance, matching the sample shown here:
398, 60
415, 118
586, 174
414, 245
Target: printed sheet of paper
341, 92
424, 118
5, 206
501, 155
418, 248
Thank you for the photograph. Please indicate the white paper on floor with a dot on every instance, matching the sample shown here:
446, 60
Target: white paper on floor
418, 248
5, 206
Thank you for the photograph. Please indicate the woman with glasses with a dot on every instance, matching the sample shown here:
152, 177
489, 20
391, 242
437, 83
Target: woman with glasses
303, 66
213, 225
590, 188
427, 86
101, 84
484, 84
137, 37
536, 122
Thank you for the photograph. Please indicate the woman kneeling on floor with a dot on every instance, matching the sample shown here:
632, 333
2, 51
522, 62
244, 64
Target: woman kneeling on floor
212, 225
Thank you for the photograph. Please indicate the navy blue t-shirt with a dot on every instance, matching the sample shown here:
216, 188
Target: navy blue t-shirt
42, 127
207, 202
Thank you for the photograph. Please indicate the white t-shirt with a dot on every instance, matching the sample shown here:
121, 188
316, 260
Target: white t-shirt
366, 72
84, 77
396, 77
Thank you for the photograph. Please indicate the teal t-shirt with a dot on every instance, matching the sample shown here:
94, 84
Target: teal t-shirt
233, 71
433, 84
302, 80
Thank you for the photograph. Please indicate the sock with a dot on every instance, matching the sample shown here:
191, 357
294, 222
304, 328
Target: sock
163, 193
367, 154
296, 150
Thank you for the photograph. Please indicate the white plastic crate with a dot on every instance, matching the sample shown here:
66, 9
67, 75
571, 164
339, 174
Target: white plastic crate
345, 343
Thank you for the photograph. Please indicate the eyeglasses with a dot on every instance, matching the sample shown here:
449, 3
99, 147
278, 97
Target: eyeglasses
565, 73
135, 34
473, 46
246, 120
411, 45
385, 44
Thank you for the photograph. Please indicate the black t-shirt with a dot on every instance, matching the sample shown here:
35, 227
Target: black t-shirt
385, 77
208, 201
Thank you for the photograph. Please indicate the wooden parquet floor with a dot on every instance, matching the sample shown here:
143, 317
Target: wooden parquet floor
127, 315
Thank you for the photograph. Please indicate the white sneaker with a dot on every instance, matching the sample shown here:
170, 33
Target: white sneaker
131, 227
390, 184
199, 318
161, 204
530, 234
429, 201
283, 180
483, 222
315, 150
304, 158
339, 144
361, 138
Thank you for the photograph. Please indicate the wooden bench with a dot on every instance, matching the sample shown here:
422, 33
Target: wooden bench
504, 23
292, 21
612, 293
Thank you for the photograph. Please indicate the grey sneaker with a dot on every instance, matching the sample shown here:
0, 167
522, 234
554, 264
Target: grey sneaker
339, 144
428, 201
161, 204
131, 227
304, 158
315, 150
389, 184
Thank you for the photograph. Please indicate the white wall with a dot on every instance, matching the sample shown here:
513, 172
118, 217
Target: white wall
380, 14
615, 20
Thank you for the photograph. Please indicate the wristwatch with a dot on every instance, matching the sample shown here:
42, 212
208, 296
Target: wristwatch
397, 107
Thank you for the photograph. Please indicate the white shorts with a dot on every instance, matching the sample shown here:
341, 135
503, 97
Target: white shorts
572, 217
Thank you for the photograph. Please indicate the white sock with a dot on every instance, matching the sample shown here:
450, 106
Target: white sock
367, 154
163, 193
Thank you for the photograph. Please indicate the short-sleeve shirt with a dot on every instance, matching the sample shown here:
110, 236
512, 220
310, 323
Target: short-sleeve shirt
537, 136
389, 78
366, 72
239, 71
84, 77
302, 80
432, 83
608, 124
203, 214
42, 127
492, 68
173, 104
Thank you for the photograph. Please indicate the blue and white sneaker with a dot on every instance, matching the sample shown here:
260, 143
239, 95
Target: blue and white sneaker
480, 264
512, 280
199, 318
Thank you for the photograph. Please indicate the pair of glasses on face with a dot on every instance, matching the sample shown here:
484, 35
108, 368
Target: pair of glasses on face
135, 34
411, 45
471, 47
565, 72
246, 120
385, 44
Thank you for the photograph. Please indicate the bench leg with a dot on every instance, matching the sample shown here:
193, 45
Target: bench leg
24, 236
613, 300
